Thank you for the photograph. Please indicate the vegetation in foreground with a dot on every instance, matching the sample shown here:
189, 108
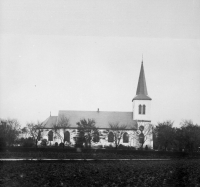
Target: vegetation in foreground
165, 136
96, 154
110, 173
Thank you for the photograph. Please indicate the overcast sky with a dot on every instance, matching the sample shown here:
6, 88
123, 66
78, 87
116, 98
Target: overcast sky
83, 55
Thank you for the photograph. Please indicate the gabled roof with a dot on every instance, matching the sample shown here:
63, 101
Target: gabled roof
50, 121
141, 93
102, 118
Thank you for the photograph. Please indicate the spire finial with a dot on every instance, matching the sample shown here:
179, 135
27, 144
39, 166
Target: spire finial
142, 58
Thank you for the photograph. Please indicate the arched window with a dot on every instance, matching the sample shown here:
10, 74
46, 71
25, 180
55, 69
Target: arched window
110, 137
66, 136
50, 136
125, 137
140, 109
144, 109
96, 137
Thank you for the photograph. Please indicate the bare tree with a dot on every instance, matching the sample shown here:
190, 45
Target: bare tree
146, 131
118, 131
24, 131
34, 130
60, 127
87, 131
134, 135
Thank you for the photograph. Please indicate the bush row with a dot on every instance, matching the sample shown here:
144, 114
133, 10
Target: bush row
52, 150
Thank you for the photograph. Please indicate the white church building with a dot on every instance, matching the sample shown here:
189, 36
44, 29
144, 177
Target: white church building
137, 121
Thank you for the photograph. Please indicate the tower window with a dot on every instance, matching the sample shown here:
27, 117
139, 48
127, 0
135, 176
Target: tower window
140, 109
144, 109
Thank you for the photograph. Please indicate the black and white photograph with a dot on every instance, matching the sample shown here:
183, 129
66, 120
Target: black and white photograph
102, 93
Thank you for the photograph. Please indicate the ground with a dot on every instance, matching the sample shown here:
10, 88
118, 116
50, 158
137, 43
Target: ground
101, 173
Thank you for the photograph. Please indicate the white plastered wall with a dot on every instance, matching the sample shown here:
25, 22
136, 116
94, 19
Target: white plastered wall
133, 138
147, 115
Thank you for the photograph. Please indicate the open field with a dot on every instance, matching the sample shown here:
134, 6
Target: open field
101, 173
54, 155
59, 153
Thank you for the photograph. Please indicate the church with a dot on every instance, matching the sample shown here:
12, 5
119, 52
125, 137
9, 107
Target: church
137, 122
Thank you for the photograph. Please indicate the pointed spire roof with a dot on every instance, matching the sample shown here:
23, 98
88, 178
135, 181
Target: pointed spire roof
141, 93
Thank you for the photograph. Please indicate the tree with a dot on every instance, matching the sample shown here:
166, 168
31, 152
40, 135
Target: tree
178, 140
24, 131
189, 135
34, 130
9, 131
165, 134
118, 131
60, 127
27, 142
87, 131
145, 133
134, 135
155, 140
44, 142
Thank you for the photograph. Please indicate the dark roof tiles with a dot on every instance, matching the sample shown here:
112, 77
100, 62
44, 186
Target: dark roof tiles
50, 122
102, 118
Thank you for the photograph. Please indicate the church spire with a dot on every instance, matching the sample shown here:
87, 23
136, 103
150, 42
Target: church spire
142, 88
141, 93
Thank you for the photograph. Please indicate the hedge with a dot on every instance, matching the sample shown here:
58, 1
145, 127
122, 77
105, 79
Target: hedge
106, 151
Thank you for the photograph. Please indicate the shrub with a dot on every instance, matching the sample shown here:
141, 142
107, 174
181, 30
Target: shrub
79, 143
2, 143
28, 142
98, 146
109, 147
43, 142
56, 144
122, 147
61, 144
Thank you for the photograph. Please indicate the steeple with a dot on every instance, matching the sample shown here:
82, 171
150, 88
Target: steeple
141, 93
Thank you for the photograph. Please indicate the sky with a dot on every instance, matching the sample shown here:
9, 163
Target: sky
83, 55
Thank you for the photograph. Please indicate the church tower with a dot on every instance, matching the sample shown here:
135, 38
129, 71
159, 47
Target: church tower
142, 102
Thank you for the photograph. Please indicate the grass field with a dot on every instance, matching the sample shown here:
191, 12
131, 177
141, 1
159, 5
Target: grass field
101, 173
96, 154
53, 155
